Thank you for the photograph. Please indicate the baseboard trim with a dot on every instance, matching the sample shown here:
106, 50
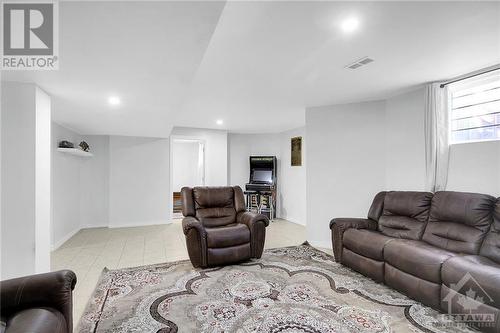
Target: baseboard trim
63, 240
92, 226
323, 244
133, 225
294, 221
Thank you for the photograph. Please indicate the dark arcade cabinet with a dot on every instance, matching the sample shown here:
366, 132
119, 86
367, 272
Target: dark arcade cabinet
261, 190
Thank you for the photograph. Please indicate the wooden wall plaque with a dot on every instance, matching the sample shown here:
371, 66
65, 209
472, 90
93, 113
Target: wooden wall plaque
296, 151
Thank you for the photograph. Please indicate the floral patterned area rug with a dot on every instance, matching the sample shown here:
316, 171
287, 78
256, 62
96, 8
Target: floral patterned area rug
293, 289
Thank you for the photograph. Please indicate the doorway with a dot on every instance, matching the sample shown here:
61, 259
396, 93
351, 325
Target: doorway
188, 169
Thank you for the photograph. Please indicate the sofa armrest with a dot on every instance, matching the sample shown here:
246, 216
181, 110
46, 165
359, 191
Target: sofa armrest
257, 224
196, 240
355, 223
190, 222
52, 290
340, 225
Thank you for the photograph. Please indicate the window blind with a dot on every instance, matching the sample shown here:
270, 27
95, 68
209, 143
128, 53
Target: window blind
475, 109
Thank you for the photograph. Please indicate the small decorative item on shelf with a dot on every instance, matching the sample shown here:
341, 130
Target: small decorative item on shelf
84, 146
66, 144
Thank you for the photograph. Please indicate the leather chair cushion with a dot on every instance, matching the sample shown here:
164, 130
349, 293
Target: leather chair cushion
230, 235
483, 270
228, 255
214, 205
419, 289
459, 221
367, 266
39, 320
417, 258
405, 214
491, 244
401, 227
206, 197
366, 242
412, 204
472, 209
216, 217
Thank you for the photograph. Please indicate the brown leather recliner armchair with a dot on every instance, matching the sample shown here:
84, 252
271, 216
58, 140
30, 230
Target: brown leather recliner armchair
39, 303
218, 228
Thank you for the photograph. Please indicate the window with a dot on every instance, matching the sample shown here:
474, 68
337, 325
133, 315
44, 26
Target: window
475, 109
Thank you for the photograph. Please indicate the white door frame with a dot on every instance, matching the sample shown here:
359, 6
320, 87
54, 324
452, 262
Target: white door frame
177, 138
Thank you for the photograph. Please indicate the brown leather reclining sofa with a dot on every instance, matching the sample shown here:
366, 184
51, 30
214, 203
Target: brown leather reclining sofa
218, 228
41, 303
424, 244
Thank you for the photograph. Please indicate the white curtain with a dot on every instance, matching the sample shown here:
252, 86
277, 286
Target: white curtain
437, 110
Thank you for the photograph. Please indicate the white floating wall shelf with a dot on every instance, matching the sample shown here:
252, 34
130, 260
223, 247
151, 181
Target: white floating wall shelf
75, 151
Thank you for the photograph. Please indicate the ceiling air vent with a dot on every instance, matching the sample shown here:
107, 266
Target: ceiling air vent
359, 63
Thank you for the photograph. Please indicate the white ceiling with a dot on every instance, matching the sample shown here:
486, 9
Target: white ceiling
256, 65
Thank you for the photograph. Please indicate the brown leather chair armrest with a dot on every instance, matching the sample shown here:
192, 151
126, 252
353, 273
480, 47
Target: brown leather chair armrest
190, 222
52, 289
340, 225
250, 218
257, 224
196, 240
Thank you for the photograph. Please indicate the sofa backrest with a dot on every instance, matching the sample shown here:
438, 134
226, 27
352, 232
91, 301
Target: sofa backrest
405, 214
459, 221
377, 207
491, 243
213, 206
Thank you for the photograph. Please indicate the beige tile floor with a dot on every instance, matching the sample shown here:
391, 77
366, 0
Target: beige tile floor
90, 250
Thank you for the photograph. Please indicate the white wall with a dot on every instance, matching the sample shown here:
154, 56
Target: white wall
80, 185
291, 203
65, 187
345, 163
215, 152
359, 149
25, 208
18, 179
185, 164
43, 184
293, 179
94, 183
124, 183
139, 183
405, 142
242, 146
475, 167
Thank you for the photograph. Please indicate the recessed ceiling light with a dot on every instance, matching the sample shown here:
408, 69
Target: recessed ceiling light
350, 24
219, 122
114, 100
